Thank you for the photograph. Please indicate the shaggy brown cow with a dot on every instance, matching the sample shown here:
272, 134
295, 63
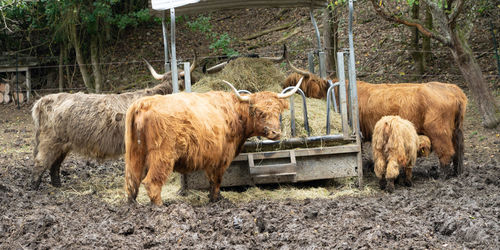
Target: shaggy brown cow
90, 124
436, 109
395, 145
192, 131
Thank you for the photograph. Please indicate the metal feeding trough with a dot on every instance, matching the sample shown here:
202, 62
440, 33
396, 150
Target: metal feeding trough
296, 159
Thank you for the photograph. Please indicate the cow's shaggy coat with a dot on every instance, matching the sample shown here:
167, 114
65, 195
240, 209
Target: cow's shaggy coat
187, 132
395, 145
90, 124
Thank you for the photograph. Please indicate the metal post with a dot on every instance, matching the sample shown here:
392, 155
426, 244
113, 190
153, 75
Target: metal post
354, 96
315, 29
175, 84
310, 60
28, 84
322, 64
165, 41
17, 81
321, 54
187, 77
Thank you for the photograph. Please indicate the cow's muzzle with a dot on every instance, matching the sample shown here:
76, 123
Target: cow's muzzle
272, 134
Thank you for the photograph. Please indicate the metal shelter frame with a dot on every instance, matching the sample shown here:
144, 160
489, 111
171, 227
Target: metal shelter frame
291, 165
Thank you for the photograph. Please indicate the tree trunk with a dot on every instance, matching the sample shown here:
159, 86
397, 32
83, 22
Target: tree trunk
416, 52
61, 68
96, 68
330, 37
79, 59
426, 41
477, 84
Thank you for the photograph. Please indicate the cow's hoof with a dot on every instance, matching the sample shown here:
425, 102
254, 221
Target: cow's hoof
382, 183
390, 186
35, 184
434, 173
56, 183
408, 183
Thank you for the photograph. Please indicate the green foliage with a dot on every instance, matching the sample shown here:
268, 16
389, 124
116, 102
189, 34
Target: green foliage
220, 42
332, 4
201, 24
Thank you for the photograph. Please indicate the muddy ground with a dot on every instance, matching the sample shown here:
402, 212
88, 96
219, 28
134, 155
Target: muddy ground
456, 213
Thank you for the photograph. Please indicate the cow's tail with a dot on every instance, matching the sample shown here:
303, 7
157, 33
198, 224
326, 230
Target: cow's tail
134, 151
36, 113
458, 139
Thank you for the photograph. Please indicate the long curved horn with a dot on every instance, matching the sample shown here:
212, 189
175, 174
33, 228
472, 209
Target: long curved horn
278, 59
290, 93
297, 70
153, 71
216, 68
240, 97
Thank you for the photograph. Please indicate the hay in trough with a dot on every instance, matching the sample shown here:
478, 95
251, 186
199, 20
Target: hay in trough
254, 74
316, 113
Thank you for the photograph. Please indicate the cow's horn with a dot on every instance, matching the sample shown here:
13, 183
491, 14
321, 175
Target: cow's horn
240, 97
297, 70
278, 59
290, 93
216, 68
153, 71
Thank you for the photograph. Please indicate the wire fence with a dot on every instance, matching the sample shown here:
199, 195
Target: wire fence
298, 54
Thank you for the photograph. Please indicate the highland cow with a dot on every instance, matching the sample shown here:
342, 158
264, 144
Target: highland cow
194, 131
395, 145
92, 125
436, 109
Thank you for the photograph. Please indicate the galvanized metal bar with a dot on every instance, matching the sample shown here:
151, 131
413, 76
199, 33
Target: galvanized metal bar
165, 41
175, 84
310, 61
330, 97
342, 94
334, 99
322, 64
292, 116
187, 77
295, 141
244, 91
353, 84
316, 30
17, 81
304, 108
28, 84
349, 148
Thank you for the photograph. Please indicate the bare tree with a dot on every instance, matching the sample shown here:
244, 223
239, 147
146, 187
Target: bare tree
445, 14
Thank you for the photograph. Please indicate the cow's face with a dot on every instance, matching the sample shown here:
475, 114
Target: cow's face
424, 146
265, 110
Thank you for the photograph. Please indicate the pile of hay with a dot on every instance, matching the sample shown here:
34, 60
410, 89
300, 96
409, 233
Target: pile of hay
254, 74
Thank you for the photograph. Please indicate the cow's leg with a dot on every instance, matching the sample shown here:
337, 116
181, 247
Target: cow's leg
55, 178
444, 149
458, 144
391, 173
47, 154
160, 167
379, 168
408, 173
215, 179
